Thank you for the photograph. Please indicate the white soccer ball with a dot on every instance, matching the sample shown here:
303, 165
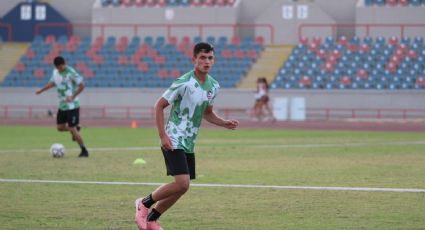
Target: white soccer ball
57, 150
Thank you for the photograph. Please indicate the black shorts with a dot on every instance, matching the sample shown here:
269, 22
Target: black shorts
72, 117
178, 162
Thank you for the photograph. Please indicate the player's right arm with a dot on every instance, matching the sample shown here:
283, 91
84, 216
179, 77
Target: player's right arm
46, 87
160, 105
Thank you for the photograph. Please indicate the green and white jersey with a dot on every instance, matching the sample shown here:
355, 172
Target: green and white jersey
66, 83
189, 99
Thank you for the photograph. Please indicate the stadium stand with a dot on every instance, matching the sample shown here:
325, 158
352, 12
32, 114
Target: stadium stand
136, 62
354, 64
167, 3
394, 2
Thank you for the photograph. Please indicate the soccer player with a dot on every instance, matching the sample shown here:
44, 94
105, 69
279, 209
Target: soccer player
69, 85
192, 97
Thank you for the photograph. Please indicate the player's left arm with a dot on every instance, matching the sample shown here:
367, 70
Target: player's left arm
213, 118
78, 79
80, 89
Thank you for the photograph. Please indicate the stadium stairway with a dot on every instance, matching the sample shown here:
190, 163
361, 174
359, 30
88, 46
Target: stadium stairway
267, 65
10, 53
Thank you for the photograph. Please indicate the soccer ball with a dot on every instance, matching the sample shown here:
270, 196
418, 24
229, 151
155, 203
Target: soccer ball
57, 150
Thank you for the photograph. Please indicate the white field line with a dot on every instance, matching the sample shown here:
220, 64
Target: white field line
365, 189
262, 146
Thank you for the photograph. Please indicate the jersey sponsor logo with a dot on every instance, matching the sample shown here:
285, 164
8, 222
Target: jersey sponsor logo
209, 96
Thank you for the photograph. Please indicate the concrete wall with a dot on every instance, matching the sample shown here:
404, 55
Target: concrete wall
227, 98
180, 15
286, 30
75, 11
391, 15
342, 11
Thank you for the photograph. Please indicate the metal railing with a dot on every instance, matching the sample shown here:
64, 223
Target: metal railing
130, 112
167, 27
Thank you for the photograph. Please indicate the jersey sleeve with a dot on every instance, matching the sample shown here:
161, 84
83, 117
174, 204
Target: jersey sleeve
76, 77
176, 89
52, 78
214, 96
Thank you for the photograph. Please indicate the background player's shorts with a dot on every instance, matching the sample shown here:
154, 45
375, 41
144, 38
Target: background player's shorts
178, 162
72, 117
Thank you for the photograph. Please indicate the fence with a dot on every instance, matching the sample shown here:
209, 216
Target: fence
130, 112
373, 114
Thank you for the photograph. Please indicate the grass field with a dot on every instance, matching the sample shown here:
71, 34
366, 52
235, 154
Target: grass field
247, 156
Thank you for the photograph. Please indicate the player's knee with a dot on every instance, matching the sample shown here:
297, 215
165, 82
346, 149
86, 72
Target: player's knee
183, 186
61, 129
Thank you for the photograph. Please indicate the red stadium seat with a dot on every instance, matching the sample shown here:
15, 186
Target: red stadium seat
162, 73
74, 39
239, 54
29, 54
159, 60
172, 40
20, 67
412, 54
39, 73
362, 74
122, 60
88, 73
226, 53
143, 67
252, 54
304, 40
185, 40
139, 3
321, 53
420, 81
306, 81
317, 40
259, 40
236, 40
352, 47
404, 2
50, 39
221, 2
80, 66
345, 80
127, 3
393, 41
391, 2
364, 48
343, 40
328, 67
175, 73
151, 3
197, 3
231, 2
162, 3
209, 2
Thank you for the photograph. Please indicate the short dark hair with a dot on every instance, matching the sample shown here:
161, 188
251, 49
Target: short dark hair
59, 61
202, 47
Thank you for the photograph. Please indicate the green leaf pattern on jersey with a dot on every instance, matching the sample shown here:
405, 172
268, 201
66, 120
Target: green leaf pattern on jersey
66, 83
189, 100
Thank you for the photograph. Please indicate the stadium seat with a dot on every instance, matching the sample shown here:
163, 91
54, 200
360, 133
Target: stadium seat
359, 68
113, 62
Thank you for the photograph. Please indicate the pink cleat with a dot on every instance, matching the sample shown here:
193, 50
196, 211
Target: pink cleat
154, 225
141, 214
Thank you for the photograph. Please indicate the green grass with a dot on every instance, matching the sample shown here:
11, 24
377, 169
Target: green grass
248, 156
